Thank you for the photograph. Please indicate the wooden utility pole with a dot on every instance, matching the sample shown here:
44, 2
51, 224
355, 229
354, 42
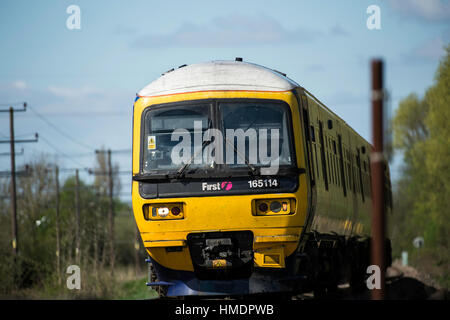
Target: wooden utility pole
94, 213
77, 218
15, 236
111, 214
12, 142
58, 240
378, 244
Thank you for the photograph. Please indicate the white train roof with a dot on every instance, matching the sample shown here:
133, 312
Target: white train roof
218, 75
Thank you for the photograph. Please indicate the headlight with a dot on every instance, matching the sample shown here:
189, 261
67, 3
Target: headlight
263, 207
275, 206
163, 211
267, 207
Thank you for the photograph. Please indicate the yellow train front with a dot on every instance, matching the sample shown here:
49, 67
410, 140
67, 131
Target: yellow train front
223, 227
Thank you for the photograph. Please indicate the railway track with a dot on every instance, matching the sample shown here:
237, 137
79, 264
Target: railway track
398, 287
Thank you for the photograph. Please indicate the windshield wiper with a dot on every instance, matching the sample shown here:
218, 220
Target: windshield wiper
183, 169
255, 170
148, 176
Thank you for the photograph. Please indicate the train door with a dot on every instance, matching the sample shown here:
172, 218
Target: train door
325, 191
344, 196
352, 173
308, 138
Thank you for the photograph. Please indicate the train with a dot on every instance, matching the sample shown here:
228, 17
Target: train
219, 214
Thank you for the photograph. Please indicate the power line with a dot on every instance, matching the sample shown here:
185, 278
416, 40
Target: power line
71, 155
9, 153
87, 114
104, 173
60, 131
24, 134
26, 172
23, 140
118, 151
60, 152
13, 104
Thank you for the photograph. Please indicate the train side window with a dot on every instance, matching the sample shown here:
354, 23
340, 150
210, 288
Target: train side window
338, 171
358, 163
317, 161
335, 163
322, 155
350, 186
313, 136
332, 168
351, 179
344, 163
329, 168
330, 160
341, 158
310, 157
335, 169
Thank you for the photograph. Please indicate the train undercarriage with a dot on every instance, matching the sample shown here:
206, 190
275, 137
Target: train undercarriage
223, 266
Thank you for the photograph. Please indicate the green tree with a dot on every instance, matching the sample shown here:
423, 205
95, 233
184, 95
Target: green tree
422, 133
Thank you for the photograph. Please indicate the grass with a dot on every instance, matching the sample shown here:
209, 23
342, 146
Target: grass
127, 284
135, 290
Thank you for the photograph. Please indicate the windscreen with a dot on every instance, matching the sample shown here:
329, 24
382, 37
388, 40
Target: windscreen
161, 136
217, 136
264, 128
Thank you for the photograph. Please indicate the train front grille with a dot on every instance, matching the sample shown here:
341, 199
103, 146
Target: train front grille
221, 255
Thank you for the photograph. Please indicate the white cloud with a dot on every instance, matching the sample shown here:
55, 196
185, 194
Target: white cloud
75, 93
432, 10
234, 29
432, 49
19, 84
85, 100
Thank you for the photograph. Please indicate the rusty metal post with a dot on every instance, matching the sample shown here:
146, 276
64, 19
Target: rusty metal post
377, 167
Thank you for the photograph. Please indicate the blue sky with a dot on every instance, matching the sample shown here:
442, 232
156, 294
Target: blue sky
84, 81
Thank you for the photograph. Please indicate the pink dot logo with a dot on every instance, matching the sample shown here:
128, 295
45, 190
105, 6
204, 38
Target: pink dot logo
227, 185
